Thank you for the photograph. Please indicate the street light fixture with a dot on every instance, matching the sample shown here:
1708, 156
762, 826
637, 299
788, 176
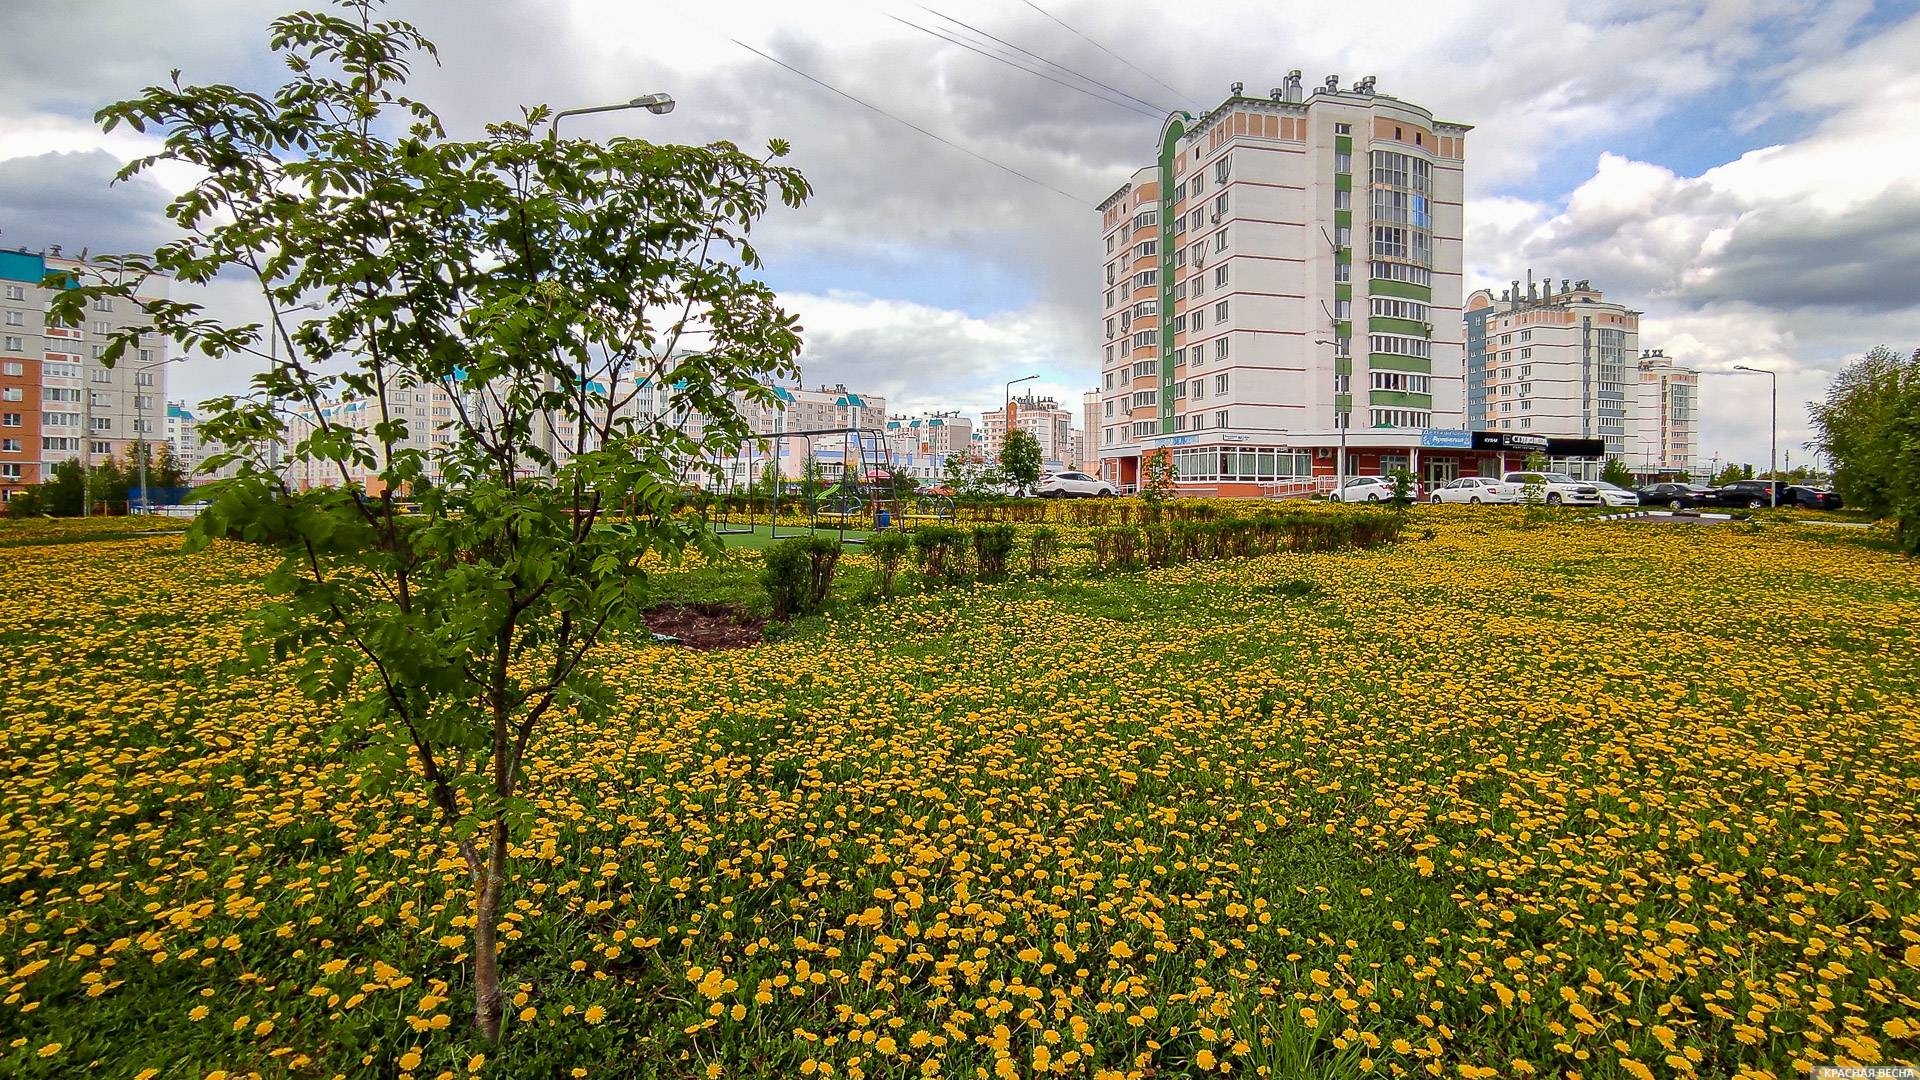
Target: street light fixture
1006, 409
656, 103
1773, 443
1340, 466
140, 425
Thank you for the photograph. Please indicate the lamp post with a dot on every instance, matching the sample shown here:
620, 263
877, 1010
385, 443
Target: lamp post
1339, 466
1006, 410
1773, 439
273, 358
140, 424
657, 103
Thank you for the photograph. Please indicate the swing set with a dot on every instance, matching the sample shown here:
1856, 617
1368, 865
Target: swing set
866, 495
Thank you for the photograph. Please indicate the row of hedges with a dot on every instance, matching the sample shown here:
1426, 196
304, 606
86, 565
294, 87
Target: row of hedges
798, 573
1129, 547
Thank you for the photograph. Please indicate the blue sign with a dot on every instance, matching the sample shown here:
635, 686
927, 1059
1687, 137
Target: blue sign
1446, 438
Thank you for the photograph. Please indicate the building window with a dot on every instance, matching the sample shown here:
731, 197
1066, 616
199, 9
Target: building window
1220, 347
1404, 382
1220, 419
101, 447
11, 419
1343, 199
16, 292
16, 318
14, 344
1223, 168
103, 303
1343, 129
1220, 311
1220, 275
1197, 390
103, 423
1342, 161
1400, 418
1220, 205
10, 446
1343, 309
12, 367
1399, 309
1220, 384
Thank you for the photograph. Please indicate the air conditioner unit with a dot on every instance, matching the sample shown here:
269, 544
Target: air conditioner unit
1216, 217
1322, 453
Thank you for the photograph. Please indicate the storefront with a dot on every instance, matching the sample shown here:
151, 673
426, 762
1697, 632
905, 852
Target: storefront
1232, 464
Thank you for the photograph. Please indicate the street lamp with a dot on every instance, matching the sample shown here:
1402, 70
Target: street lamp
273, 358
140, 424
1340, 466
1006, 409
1773, 444
656, 103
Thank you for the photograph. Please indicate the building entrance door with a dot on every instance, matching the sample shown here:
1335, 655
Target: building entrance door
1439, 471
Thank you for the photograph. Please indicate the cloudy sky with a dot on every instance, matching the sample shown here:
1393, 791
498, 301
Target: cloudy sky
1746, 172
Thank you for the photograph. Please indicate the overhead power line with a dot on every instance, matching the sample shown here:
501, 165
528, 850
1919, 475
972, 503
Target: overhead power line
1159, 110
970, 47
908, 123
1177, 94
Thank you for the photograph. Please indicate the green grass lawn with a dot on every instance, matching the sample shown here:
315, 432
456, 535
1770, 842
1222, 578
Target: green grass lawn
1608, 799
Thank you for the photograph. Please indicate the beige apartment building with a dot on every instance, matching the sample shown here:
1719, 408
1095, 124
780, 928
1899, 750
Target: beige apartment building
1049, 422
919, 446
58, 398
1289, 267
1664, 436
1554, 362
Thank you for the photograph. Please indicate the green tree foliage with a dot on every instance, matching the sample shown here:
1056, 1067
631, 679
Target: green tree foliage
540, 282
1157, 474
1732, 473
1020, 459
1615, 472
1869, 427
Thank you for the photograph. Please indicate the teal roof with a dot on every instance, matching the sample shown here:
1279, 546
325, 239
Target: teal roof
851, 399
783, 394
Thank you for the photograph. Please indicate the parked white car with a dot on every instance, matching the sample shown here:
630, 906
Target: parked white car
1370, 489
1615, 495
1556, 488
1476, 490
1069, 485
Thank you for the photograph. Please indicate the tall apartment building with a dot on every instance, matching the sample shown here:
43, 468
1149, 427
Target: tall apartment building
1049, 422
919, 446
1664, 437
58, 400
1239, 265
183, 436
1089, 431
1555, 362
427, 410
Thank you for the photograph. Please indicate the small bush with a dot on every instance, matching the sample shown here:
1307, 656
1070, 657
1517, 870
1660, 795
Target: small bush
1116, 548
1158, 544
992, 548
942, 551
889, 549
798, 575
1043, 549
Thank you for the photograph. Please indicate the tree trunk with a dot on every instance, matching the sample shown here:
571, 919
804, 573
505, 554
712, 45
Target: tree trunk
486, 924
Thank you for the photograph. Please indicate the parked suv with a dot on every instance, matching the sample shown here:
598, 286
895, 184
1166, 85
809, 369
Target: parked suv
1752, 494
1066, 485
1556, 488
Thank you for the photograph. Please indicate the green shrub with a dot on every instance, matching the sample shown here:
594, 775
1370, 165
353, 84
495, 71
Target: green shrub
942, 551
798, 574
992, 548
889, 549
1116, 548
1043, 549
1157, 540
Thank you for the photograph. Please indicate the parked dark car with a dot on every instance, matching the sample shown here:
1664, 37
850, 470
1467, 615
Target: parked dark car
1752, 494
1672, 496
1812, 498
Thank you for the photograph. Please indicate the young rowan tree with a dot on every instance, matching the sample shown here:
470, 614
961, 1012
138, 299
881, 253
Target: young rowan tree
541, 284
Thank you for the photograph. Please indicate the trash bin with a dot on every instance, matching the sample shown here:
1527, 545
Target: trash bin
882, 519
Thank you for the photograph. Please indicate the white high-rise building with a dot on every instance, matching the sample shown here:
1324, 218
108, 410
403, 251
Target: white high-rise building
1290, 266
